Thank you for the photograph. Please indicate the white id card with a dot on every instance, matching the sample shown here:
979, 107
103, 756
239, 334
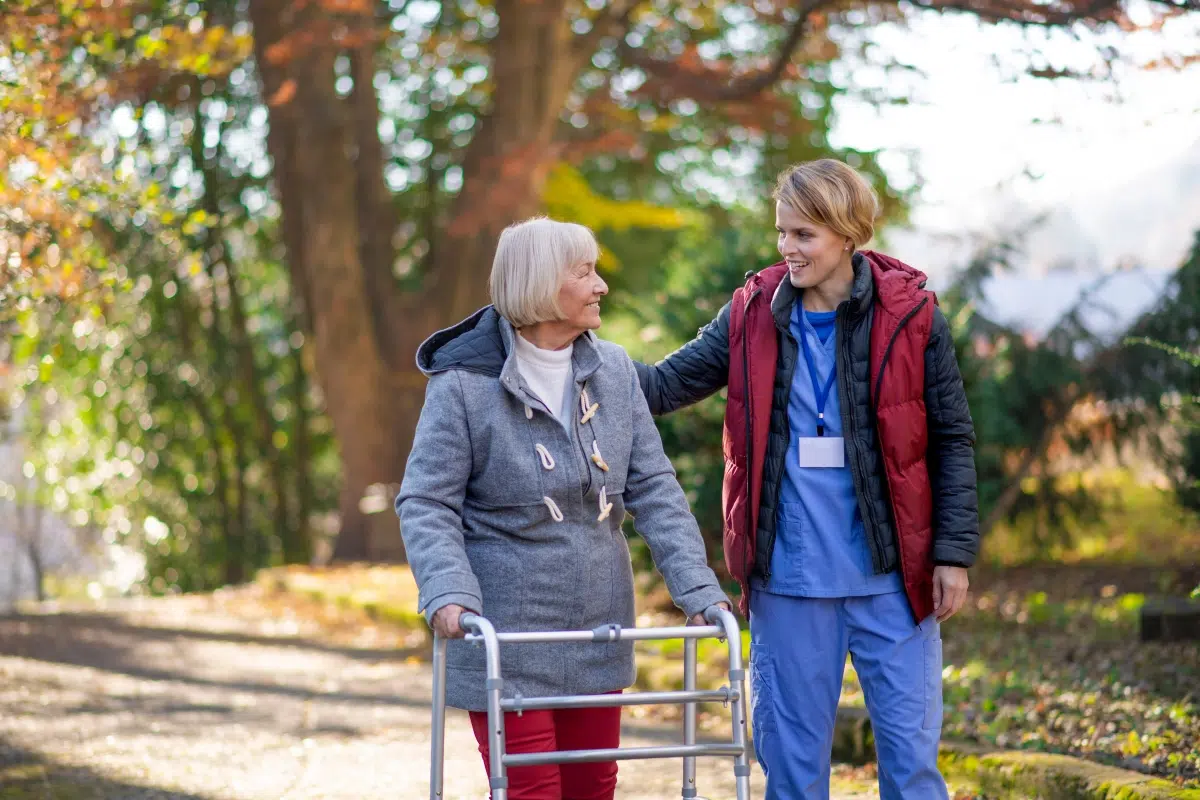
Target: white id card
822, 451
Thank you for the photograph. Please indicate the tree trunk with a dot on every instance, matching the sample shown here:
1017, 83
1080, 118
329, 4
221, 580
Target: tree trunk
237, 531
32, 534
319, 193
39, 571
295, 548
199, 403
338, 219
301, 448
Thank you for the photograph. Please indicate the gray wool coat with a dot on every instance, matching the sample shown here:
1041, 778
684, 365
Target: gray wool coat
504, 510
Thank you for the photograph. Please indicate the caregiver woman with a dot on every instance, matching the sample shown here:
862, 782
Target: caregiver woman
534, 441
850, 490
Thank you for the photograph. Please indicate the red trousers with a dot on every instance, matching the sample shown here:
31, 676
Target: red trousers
561, 729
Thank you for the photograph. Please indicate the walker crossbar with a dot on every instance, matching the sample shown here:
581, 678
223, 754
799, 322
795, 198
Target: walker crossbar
723, 625
722, 695
606, 633
619, 754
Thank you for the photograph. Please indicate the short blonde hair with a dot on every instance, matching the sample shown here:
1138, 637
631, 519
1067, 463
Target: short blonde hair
532, 258
832, 194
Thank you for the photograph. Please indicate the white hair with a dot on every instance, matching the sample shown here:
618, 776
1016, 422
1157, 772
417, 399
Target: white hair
532, 257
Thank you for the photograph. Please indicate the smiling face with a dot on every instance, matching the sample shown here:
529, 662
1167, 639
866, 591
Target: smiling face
814, 253
579, 297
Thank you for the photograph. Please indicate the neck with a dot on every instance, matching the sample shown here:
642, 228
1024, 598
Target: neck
549, 335
831, 292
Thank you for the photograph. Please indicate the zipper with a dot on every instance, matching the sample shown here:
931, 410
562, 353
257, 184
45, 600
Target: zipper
787, 427
888, 352
749, 436
873, 400
857, 475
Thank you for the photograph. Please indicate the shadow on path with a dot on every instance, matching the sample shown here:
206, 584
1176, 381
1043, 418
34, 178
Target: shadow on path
111, 644
25, 775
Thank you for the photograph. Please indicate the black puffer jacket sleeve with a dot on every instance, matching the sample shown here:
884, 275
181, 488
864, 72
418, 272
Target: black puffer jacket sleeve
951, 452
691, 373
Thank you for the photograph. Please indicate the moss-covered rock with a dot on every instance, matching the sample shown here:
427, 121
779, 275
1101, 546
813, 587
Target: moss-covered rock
1049, 776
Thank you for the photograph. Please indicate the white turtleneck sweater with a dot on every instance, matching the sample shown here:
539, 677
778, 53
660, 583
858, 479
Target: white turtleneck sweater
546, 372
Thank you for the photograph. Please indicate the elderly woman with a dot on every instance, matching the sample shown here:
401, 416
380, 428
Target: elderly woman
534, 441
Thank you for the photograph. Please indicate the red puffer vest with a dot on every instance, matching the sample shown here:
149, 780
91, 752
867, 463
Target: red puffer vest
903, 316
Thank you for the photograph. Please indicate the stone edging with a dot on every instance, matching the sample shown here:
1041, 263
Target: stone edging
1016, 773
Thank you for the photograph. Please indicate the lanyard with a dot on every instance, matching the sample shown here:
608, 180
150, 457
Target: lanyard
819, 394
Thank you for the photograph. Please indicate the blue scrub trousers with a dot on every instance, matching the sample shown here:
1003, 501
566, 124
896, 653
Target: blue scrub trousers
798, 648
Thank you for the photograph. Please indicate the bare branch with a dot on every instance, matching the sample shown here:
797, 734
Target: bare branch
711, 85
1031, 13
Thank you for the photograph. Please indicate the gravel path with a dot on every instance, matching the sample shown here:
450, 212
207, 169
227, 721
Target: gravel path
179, 699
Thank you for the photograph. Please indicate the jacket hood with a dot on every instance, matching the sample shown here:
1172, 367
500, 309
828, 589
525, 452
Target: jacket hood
897, 285
894, 269
476, 345
483, 343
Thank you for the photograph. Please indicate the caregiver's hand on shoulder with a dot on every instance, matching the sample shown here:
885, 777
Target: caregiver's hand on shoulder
949, 591
445, 621
698, 619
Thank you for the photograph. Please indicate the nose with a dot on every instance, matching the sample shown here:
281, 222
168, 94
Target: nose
601, 288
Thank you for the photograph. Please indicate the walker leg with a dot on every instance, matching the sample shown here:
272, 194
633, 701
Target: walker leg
737, 681
438, 732
499, 782
491, 645
689, 718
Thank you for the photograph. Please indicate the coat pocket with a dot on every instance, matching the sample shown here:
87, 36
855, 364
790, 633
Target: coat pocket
762, 693
495, 564
933, 684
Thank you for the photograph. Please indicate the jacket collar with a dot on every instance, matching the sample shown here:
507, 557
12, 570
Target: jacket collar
862, 292
585, 360
484, 343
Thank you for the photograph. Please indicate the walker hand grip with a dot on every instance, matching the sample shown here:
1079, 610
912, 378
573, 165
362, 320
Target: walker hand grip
722, 618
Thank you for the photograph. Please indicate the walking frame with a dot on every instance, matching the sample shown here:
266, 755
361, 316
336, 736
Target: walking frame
723, 626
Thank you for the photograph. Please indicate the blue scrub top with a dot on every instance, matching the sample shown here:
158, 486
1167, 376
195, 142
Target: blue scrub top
820, 541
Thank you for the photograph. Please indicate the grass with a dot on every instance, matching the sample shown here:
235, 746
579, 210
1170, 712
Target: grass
1028, 670
386, 594
1135, 523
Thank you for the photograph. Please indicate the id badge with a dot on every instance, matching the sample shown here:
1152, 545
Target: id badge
822, 451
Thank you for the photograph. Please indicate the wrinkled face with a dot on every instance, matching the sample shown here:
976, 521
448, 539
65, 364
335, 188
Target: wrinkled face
579, 297
812, 251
